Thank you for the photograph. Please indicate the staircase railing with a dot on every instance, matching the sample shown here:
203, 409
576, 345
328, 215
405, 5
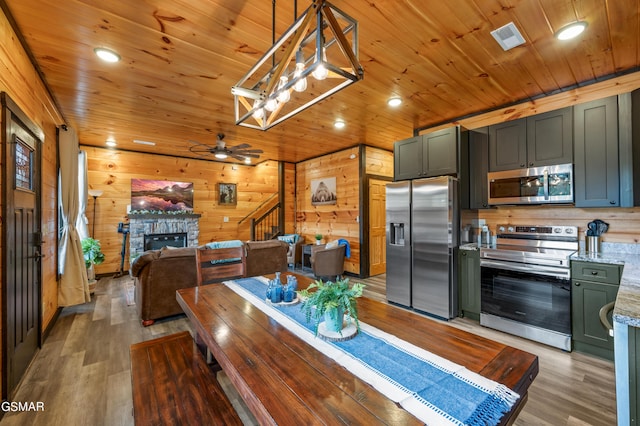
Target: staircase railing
260, 207
270, 224
267, 226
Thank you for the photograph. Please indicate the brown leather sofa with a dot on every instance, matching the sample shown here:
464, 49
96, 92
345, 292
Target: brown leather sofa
159, 273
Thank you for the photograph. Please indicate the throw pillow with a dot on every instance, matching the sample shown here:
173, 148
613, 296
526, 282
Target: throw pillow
224, 244
331, 244
289, 238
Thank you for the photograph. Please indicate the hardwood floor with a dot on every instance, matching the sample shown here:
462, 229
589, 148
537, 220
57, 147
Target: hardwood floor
82, 371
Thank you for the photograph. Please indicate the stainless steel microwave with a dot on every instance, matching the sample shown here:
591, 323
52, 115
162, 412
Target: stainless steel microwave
536, 185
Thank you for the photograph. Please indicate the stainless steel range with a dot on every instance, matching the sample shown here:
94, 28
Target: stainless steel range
526, 287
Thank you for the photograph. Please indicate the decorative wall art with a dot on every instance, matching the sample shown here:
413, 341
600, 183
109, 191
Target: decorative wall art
323, 191
227, 194
161, 195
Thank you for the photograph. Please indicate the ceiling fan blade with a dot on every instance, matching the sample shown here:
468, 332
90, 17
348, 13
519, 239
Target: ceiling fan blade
191, 141
239, 152
240, 147
201, 149
255, 151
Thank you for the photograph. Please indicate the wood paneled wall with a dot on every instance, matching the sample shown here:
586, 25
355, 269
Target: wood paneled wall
112, 171
379, 162
624, 223
22, 83
340, 220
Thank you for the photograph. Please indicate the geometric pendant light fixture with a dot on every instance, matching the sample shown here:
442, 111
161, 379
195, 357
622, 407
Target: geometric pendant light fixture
316, 57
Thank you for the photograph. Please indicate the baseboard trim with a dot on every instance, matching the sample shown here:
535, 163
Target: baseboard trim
47, 331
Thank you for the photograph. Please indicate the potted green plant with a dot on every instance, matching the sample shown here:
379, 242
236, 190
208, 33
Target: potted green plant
330, 301
92, 256
318, 239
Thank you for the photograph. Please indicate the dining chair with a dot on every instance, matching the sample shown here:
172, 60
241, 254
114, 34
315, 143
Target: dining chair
219, 264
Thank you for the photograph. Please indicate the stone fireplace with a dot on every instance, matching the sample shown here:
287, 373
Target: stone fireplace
155, 227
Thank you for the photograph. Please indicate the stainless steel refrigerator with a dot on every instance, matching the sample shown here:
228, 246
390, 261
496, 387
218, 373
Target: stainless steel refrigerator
422, 236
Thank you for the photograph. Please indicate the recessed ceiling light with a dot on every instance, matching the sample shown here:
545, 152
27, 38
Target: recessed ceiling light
571, 30
110, 142
394, 101
339, 124
106, 55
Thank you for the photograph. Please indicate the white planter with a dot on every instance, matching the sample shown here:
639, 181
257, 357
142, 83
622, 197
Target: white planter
91, 273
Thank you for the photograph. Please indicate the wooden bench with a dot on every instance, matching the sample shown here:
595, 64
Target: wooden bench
172, 384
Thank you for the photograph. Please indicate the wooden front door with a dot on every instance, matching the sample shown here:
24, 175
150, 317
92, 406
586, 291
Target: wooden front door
377, 236
21, 248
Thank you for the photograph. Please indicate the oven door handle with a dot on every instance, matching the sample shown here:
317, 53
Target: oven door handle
546, 184
531, 269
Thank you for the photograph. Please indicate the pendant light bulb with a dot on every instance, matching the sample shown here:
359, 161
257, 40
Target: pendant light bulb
271, 105
284, 94
321, 72
300, 85
259, 113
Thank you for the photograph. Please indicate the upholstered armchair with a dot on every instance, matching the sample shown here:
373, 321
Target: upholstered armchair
294, 254
328, 262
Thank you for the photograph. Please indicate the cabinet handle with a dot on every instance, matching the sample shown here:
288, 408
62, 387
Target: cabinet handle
594, 272
613, 202
577, 284
604, 311
530, 164
521, 165
464, 254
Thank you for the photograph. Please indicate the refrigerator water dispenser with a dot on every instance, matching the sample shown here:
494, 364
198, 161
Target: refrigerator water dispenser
397, 234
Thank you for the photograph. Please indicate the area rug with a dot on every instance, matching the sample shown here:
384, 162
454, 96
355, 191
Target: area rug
129, 292
433, 389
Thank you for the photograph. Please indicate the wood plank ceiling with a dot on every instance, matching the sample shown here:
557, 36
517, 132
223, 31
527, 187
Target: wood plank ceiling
181, 57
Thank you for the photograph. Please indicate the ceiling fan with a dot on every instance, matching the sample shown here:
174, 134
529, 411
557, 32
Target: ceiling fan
221, 151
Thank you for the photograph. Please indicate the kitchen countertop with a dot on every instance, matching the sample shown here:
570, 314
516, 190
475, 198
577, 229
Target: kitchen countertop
627, 307
469, 246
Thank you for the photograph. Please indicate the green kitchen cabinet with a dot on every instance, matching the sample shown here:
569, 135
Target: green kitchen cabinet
428, 155
550, 138
539, 140
593, 285
627, 362
508, 145
469, 283
478, 169
596, 169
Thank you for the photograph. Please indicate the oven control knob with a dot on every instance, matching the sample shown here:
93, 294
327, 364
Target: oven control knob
501, 228
569, 231
557, 230
511, 229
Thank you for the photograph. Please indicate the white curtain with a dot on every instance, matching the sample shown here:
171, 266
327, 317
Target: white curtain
74, 285
81, 223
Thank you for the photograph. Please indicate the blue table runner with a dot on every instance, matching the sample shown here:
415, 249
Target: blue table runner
430, 387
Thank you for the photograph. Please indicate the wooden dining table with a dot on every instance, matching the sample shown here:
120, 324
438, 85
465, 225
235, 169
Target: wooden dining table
284, 380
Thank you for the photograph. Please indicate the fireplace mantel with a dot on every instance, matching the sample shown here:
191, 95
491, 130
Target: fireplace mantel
162, 216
